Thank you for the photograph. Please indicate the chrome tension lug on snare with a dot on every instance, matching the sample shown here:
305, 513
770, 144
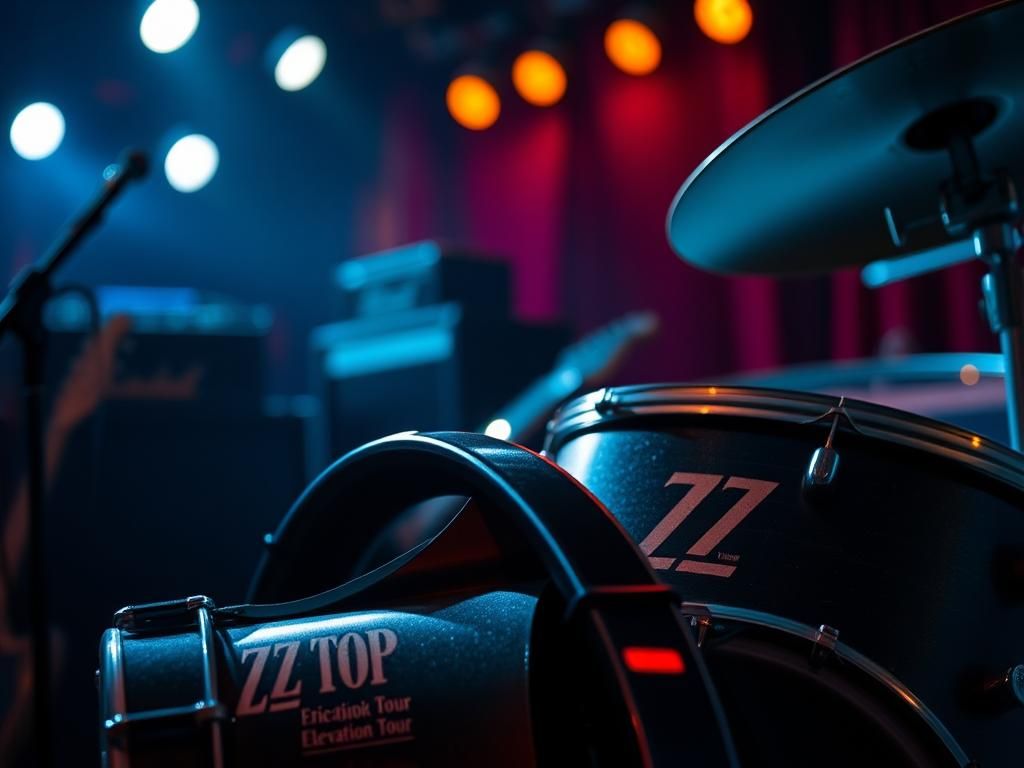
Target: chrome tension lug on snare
824, 464
703, 625
825, 641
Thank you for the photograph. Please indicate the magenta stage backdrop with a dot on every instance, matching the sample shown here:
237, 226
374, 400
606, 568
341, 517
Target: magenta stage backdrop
575, 197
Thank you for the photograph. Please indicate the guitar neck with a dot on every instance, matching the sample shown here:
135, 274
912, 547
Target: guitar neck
532, 407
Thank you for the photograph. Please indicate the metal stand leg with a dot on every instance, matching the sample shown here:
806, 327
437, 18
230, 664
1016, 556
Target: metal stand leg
34, 355
1011, 342
21, 311
1003, 288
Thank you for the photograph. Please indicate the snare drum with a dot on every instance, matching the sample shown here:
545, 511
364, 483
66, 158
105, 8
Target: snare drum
895, 539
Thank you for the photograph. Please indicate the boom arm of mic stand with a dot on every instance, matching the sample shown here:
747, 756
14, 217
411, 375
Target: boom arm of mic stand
34, 279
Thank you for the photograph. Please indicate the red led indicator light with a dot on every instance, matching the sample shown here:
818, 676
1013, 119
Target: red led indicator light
653, 661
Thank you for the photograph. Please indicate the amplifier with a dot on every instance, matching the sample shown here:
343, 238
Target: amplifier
422, 274
427, 368
183, 345
150, 499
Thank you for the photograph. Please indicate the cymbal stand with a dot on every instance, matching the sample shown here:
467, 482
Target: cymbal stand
985, 209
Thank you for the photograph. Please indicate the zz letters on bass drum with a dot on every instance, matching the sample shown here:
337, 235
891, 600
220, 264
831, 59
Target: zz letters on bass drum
701, 486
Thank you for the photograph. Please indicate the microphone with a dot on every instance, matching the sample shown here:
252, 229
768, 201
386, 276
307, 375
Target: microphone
33, 281
132, 165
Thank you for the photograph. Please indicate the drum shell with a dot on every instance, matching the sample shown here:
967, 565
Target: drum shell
445, 684
901, 555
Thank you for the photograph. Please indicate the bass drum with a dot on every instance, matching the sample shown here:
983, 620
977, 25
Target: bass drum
900, 536
789, 690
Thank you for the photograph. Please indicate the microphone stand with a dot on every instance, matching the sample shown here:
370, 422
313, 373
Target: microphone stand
21, 313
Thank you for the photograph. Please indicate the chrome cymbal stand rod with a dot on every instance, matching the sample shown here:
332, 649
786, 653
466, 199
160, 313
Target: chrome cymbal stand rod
983, 207
1003, 289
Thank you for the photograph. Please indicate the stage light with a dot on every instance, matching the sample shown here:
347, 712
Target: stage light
300, 63
191, 163
724, 21
37, 131
539, 78
168, 24
632, 46
473, 102
499, 428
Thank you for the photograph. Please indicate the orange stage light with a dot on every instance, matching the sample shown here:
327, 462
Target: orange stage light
538, 78
632, 47
473, 102
724, 21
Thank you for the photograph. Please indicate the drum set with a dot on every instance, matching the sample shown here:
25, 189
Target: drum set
702, 575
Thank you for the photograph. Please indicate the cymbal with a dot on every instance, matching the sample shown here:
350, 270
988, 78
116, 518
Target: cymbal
803, 188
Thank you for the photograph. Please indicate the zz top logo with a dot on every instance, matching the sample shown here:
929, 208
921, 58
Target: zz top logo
701, 486
352, 660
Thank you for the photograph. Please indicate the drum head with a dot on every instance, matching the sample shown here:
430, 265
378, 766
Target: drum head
785, 696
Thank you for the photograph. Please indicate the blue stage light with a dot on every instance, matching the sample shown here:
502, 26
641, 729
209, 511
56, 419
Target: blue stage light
168, 24
300, 63
37, 131
191, 162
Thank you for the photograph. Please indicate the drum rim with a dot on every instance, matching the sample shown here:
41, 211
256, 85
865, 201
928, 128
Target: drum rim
614, 404
843, 652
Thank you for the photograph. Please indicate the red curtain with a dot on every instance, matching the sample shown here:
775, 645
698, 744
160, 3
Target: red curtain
576, 197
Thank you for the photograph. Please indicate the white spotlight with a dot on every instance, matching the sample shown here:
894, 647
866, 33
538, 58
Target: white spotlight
499, 428
191, 163
301, 63
168, 24
37, 131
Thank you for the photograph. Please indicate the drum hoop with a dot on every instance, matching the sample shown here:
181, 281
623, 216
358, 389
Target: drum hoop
614, 404
842, 651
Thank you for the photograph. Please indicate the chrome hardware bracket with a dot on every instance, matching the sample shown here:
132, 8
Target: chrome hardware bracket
824, 463
121, 725
825, 641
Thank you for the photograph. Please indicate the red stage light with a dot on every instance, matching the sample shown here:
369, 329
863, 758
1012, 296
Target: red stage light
632, 46
724, 21
473, 102
653, 661
539, 78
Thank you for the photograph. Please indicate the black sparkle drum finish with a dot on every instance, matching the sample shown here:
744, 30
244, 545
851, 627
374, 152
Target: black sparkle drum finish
579, 657
904, 560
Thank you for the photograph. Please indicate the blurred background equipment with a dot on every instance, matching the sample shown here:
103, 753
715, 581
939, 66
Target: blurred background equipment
21, 316
367, 157
156, 433
962, 389
420, 275
430, 343
186, 345
291, 136
947, 174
